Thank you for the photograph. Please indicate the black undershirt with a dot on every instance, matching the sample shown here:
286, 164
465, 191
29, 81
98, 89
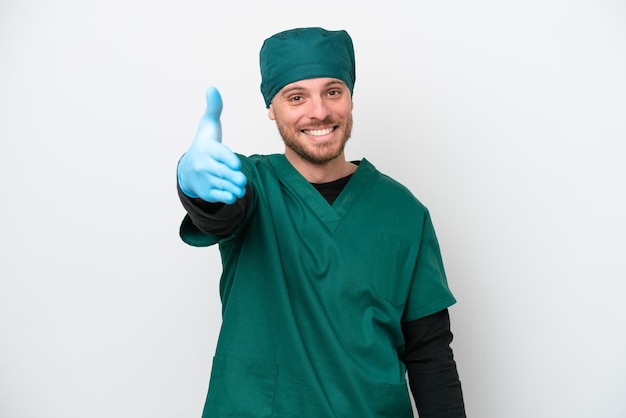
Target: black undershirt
331, 190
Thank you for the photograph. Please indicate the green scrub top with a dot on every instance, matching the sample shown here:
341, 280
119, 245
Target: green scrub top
313, 296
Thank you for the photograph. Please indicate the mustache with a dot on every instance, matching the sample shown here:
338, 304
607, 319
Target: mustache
320, 124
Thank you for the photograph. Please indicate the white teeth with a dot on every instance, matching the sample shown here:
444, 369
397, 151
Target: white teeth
318, 132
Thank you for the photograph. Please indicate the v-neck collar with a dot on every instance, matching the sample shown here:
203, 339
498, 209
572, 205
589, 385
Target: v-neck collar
330, 215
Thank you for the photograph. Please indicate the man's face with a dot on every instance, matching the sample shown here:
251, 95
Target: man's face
314, 117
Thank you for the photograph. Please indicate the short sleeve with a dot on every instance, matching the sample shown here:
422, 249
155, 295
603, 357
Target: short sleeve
429, 291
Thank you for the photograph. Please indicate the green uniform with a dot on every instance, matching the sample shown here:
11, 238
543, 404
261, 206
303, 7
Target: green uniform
313, 296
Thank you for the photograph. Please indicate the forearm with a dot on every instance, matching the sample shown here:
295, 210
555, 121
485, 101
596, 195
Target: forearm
432, 371
217, 219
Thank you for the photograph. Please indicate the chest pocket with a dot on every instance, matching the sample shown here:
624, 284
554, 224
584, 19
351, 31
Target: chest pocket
393, 265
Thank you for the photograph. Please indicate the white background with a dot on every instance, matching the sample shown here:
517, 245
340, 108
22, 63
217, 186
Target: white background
507, 119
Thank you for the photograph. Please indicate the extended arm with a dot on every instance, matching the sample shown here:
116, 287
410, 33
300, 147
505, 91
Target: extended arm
210, 183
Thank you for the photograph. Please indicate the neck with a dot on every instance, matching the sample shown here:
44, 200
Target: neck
322, 173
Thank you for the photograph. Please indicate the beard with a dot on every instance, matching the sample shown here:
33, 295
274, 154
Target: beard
316, 153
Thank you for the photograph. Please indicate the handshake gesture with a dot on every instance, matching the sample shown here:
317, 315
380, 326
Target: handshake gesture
209, 170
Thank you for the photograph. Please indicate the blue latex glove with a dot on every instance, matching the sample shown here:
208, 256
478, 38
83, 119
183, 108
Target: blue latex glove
210, 170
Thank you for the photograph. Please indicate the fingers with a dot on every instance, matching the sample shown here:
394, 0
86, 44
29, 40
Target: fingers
209, 187
215, 170
221, 196
205, 175
223, 155
221, 190
215, 158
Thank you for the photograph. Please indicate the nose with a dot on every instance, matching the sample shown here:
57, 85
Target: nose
319, 108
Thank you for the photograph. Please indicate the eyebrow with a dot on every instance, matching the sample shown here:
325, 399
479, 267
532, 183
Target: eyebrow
296, 88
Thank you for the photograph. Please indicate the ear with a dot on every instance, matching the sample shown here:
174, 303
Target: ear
270, 113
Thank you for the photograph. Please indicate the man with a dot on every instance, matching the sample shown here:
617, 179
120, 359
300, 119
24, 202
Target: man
332, 284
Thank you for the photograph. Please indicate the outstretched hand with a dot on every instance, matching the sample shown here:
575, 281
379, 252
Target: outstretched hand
210, 170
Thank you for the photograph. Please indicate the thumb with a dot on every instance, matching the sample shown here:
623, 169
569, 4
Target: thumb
213, 104
210, 126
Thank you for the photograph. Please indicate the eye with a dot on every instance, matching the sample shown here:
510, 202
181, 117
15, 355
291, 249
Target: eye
336, 92
295, 99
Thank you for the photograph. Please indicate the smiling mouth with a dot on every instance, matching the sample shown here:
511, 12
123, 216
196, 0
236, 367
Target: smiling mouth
318, 132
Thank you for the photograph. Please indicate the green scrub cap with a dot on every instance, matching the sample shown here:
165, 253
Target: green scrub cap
303, 53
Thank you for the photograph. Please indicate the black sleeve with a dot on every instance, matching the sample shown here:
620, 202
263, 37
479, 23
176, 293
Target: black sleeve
217, 219
432, 371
